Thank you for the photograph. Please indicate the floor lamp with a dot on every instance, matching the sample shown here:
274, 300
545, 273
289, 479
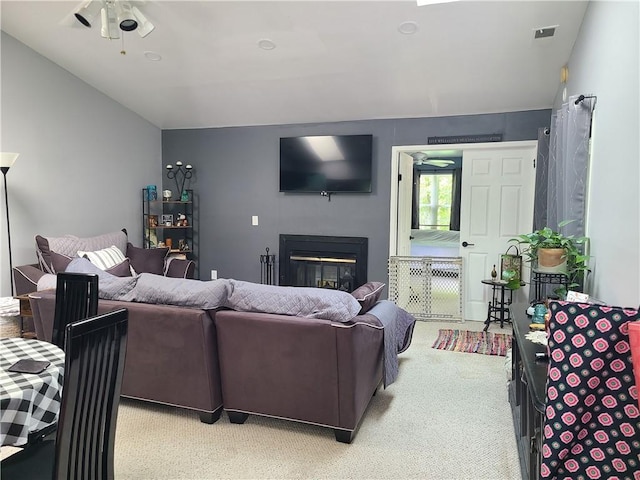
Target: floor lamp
6, 162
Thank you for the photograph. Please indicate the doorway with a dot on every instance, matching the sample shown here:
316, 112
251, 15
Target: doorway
498, 182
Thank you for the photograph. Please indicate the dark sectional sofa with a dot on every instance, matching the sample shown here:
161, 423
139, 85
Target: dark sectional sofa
303, 369
309, 370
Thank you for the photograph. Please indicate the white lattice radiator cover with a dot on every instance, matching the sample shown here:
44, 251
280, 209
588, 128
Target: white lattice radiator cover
430, 288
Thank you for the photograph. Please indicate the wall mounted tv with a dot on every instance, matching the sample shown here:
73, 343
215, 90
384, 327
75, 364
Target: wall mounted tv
317, 164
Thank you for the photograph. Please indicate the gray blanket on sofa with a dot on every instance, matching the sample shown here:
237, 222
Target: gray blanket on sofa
235, 294
250, 297
398, 331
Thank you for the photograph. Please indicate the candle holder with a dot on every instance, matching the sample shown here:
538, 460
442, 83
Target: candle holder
180, 174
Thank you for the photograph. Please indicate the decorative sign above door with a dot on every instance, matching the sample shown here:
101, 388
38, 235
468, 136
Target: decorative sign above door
493, 137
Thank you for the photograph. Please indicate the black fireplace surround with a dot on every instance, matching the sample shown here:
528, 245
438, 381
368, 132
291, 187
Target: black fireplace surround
305, 258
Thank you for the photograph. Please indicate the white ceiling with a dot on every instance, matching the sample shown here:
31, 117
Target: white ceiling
333, 61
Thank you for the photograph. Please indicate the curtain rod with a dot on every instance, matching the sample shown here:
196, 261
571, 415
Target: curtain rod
582, 97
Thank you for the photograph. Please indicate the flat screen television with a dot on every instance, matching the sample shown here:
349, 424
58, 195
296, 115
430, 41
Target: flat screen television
335, 163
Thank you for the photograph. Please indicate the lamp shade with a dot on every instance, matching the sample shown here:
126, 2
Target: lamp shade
8, 159
88, 11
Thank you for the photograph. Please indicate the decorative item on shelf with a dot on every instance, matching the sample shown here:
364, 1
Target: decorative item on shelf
161, 245
153, 221
6, 162
185, 196
182, 220
167, 219
494, 274
152, 237
152, 193
168, 242
182, 245
511, 267
166, 195
180, 174
539, 311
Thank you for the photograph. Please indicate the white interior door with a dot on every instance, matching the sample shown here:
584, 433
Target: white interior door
405, 192
497, 204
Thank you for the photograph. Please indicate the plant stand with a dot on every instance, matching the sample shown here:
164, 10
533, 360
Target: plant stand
541, 279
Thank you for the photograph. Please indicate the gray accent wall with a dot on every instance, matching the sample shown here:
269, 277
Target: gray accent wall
605, 62
237, 176
83, 157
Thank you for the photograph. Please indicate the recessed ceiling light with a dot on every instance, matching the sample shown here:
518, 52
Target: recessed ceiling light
266, 44
153, 56
408, 28
432, 2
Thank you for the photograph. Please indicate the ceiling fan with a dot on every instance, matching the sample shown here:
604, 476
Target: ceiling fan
115, 15
421, 158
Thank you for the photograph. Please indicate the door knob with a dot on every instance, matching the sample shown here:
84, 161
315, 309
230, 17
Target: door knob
467, 244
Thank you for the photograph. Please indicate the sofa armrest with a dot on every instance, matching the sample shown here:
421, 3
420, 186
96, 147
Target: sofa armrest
25, 278
179, 268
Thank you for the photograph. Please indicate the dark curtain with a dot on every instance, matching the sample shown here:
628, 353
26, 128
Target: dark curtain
415, 200
568, 164
542, 180
456, 199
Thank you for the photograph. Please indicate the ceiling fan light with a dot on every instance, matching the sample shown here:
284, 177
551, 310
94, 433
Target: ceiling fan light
126, 20
87, 12
145, 27
109, 28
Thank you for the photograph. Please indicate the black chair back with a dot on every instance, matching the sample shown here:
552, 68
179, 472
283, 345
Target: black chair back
76, 298
94, 363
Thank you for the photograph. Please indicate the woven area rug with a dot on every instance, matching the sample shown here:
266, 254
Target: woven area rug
486, 343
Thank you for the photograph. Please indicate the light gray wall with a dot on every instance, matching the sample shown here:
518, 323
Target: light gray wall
237, 177
605, 62
83, 157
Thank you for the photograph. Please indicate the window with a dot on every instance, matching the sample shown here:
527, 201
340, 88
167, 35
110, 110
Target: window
435, 200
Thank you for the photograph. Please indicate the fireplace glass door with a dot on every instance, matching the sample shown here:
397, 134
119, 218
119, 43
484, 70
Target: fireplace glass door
323, 272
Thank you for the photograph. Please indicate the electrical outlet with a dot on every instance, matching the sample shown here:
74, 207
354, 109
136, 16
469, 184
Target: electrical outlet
214, 274
254, 220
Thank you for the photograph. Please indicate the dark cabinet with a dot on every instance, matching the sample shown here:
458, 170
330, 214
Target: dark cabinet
527, 393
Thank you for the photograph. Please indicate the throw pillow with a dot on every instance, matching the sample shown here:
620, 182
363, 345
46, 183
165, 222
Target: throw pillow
368, 295
59, 262
123, 269
179, 268
147, 260
105, 258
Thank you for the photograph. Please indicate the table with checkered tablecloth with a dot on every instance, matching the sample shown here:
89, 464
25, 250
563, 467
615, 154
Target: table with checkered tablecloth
28, 402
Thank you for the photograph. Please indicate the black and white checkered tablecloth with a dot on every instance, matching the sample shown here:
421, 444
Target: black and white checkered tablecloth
28, 402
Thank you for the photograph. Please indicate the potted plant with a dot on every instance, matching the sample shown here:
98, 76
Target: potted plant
550, 251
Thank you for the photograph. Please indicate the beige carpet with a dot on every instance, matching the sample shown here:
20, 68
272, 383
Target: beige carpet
446, 417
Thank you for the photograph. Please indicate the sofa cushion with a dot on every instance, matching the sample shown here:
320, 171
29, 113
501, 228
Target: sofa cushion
105, 258
147, 260
69, 245
123, 269
368, 295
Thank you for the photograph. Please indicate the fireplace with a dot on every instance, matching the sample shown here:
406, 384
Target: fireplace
339, 263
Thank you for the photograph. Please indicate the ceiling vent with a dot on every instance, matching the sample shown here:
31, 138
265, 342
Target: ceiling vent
545, 32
